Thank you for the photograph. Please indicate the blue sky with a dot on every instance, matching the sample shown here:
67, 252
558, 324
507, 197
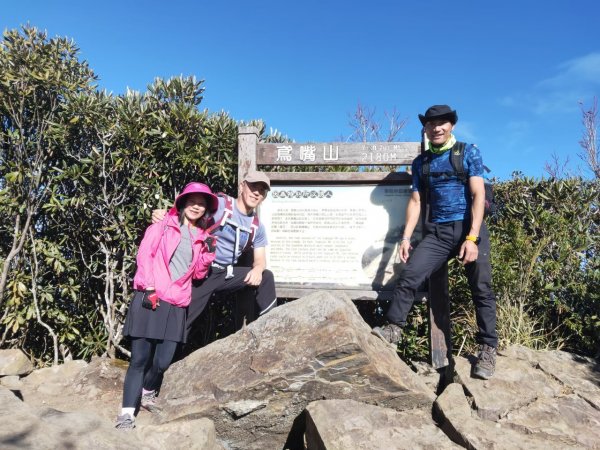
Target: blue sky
514, 70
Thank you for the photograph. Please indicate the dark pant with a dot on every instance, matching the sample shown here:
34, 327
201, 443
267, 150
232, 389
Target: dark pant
441, 243
265, 295
140, 373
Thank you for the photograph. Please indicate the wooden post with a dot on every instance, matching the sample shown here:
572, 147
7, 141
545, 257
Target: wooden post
247, 143
440, 345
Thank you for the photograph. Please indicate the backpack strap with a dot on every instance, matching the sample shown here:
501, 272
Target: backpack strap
425, 169
227, 213
253, 230
457, 157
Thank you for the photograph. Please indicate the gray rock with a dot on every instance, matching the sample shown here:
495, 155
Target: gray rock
11, 382
14, 362
102, 379
515, 384
564, 421
464, 426
426, 372
535, 400
77, 386
53, 380
243, 407
347, 424
575, 373
314, 348
196, 434
47, 428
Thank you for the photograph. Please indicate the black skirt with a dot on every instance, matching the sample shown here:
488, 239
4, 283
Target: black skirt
166, 322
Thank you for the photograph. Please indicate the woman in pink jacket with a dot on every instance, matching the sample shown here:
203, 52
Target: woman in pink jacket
172, 253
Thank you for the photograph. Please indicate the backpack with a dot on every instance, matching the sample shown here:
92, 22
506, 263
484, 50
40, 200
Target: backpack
227, 214
457, 161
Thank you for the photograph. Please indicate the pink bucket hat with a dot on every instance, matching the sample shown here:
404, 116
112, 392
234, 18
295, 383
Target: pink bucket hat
198, 188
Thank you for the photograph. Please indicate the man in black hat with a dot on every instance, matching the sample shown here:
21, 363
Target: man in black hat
455, 228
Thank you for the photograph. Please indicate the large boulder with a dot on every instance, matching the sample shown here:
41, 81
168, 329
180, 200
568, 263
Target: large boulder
256, 383
13, 362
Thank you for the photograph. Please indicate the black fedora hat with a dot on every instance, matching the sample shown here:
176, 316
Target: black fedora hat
438, 112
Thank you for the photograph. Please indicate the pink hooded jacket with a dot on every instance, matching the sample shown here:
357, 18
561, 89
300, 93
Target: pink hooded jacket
156, 250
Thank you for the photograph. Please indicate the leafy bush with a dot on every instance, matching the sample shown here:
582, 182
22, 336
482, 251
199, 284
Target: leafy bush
80, 172
546, 266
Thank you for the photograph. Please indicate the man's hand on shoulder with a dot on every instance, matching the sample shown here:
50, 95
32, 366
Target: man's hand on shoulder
158, 215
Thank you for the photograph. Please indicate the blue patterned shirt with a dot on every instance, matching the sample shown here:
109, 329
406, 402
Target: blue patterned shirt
450, 199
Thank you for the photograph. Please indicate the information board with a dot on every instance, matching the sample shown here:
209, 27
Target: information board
335, 236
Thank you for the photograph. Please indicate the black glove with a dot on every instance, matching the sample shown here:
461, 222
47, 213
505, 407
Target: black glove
150, 299
211, 244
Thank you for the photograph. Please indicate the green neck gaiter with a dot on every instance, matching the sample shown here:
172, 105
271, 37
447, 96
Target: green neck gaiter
447, 146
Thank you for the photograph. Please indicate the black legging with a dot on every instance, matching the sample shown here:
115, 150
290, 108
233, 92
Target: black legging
139, 375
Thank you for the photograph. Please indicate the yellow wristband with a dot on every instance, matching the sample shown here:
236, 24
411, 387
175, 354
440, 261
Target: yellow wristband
472, 238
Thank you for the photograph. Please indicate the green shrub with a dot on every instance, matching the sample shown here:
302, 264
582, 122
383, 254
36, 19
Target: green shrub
545, 265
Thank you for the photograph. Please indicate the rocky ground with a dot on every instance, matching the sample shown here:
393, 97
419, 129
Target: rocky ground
308, 375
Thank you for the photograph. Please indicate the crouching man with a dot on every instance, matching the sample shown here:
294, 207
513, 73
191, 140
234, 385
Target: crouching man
237, 229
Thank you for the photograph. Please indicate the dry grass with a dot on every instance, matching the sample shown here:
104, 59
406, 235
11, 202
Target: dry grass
514, 326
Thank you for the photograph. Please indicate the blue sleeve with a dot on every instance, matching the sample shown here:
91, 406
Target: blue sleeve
416, 174
473, 161
260, 240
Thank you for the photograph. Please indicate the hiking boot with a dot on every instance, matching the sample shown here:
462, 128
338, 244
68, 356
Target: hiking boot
486, 362
149, 402
125, 422
390, 333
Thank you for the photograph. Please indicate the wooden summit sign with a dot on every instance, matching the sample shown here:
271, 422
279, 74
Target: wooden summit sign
339, 230
338, 153
335, 230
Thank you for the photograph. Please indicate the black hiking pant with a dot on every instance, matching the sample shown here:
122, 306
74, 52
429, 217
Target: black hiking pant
442, 242
216, 282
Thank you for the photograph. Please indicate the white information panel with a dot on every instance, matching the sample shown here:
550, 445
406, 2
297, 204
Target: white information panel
343, 236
